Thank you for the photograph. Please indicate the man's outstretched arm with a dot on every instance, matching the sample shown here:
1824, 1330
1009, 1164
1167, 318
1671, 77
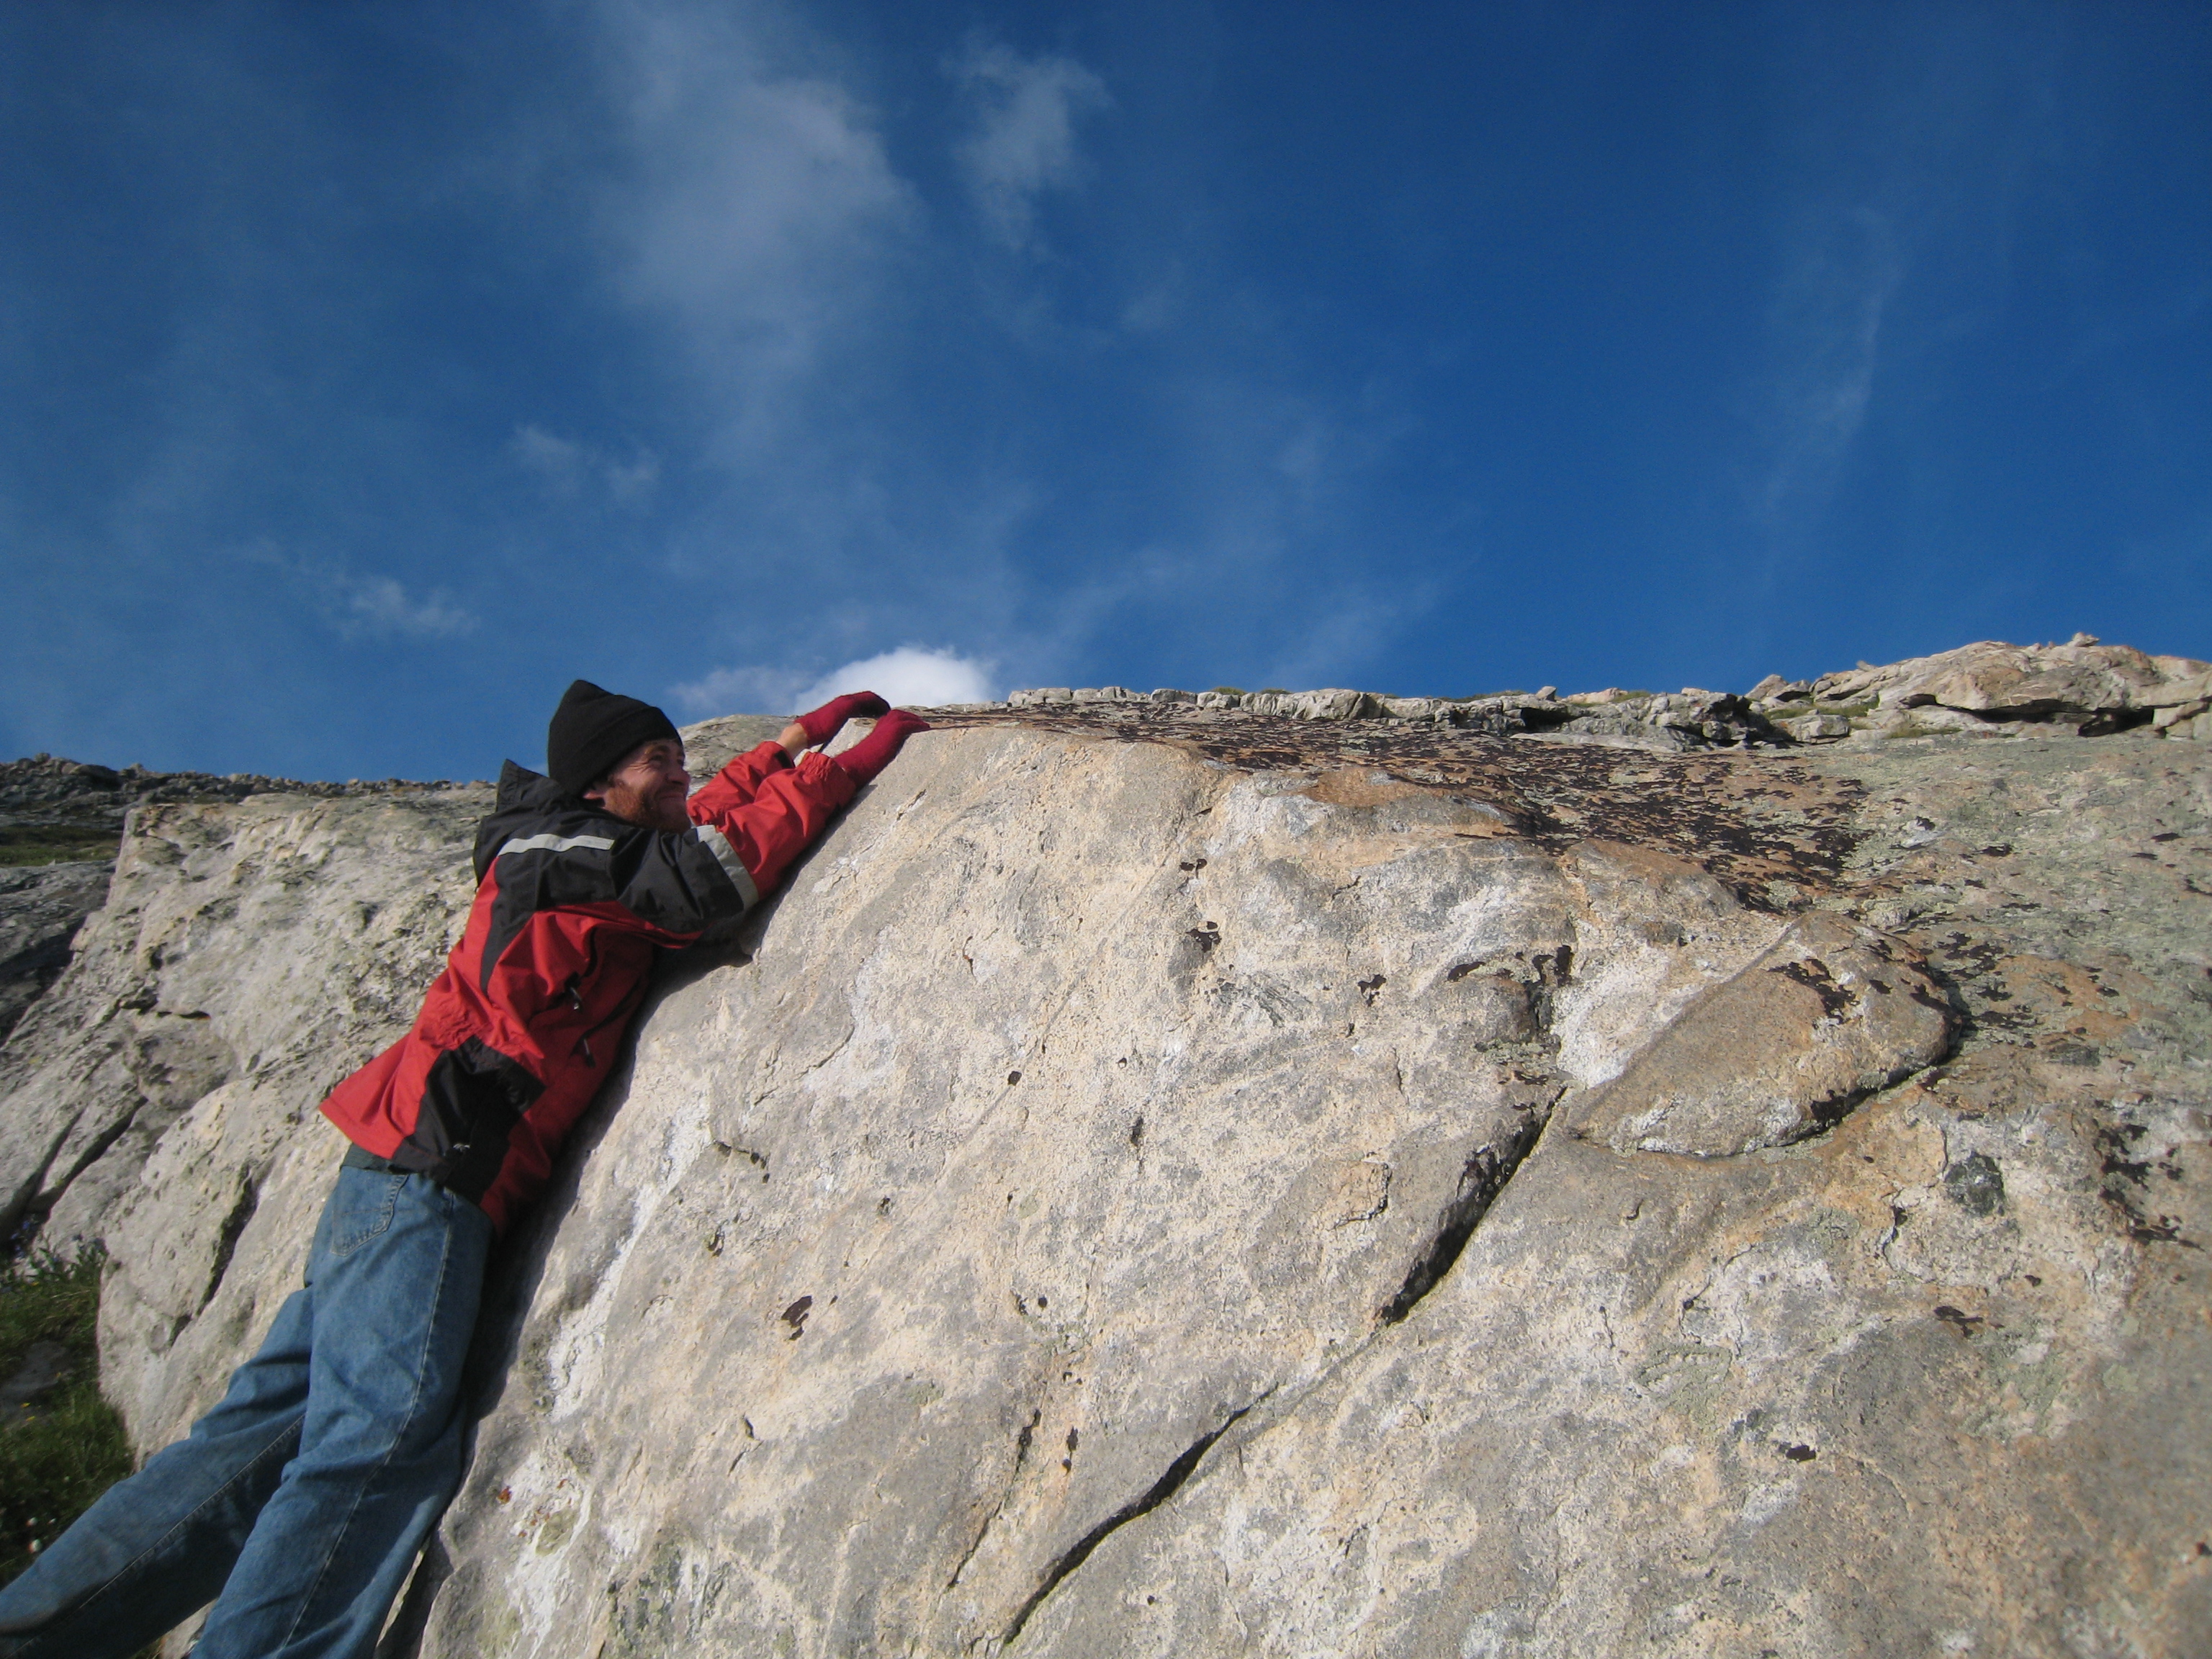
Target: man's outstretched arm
769, 813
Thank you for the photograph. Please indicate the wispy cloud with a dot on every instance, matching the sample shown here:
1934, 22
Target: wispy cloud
565, 466
1907, 153
1825, 326
1022, 139
380, 606
756, 223
748, 689
755, 206
359, 604
749, 218
911, 676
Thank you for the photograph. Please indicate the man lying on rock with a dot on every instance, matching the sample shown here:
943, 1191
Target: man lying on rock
298, 1504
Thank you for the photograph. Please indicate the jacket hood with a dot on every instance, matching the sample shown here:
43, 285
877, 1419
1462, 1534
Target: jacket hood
529, 803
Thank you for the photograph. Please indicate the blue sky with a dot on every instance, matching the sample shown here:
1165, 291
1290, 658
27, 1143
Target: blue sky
371, 370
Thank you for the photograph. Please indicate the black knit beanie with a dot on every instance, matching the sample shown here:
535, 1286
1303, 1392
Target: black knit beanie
593, 729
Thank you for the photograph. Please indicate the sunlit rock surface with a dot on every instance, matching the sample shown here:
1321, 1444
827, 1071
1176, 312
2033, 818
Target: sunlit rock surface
248, 957
1169, 1179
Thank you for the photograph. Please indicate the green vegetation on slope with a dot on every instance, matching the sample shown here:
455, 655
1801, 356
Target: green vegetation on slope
64, 1445
56, 843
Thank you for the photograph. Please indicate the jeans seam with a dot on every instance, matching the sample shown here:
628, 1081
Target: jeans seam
338, 1533
181, 1522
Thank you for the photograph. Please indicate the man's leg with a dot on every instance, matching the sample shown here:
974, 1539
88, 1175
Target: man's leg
156, 1548
380, 1454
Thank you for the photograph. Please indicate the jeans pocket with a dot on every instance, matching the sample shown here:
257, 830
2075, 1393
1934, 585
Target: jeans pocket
361, 1208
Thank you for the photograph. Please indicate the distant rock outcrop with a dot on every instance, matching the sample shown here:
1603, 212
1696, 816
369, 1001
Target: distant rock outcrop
1170, 1177
2083, 685
61, 822
1990, 689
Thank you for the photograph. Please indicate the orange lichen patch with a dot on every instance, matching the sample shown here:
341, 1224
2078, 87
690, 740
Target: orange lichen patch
1884, 1147
1984, 1081
1359, 785
1661, 867
2065, 995
2117, 976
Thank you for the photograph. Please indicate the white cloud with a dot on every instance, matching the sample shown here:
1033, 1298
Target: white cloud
559, 461
748, 211
564, 466
1023, 141
632, 480
909, 677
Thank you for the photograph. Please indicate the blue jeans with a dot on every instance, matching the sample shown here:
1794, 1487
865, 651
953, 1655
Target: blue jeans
303, 1496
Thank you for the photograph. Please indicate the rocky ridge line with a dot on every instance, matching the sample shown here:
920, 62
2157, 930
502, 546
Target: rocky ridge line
1990, 689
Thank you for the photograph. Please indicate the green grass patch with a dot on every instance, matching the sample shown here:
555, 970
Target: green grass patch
56, 843
64, 1446
1227, 691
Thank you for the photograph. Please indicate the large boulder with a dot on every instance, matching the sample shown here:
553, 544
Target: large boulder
1116, 1205
1201, 1183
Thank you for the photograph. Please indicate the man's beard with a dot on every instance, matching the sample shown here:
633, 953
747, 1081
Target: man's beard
650, 811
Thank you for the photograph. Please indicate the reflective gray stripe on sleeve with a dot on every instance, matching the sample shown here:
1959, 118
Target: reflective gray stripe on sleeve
732, 866
557, 844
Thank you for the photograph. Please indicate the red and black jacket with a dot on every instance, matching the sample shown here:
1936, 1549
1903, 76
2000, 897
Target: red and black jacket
572, 903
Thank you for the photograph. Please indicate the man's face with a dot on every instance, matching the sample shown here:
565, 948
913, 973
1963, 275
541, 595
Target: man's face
649, 788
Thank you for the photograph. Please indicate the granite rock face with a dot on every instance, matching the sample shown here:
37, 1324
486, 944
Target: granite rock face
61, 822
1213, 1061
41, 907
1171, 1178
249, 955
1826, 1016
1396, 1231
1882, 1391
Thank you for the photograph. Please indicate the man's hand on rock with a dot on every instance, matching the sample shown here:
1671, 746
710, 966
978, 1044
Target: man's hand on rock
865, 758
813, 730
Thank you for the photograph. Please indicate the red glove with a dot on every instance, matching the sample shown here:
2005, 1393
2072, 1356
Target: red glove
873, 752
822, 725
